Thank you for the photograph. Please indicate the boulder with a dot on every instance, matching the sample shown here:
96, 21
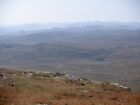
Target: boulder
1, 76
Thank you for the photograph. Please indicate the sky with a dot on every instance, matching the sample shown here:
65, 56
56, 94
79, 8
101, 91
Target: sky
17, 12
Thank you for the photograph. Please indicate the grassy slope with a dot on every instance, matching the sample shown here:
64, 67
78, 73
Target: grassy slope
30, 88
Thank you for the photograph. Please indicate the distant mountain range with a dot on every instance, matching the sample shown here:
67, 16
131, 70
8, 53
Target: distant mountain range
11, 30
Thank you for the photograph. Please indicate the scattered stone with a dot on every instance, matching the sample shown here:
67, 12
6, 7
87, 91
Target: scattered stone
84, 91
73, 78
29, 75
58, 74
11, 83
83, 79
82, 84
1, 76
121, 86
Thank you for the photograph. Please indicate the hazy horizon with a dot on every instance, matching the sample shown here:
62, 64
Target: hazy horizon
20, 12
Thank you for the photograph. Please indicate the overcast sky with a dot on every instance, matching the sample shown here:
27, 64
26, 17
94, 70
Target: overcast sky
15, 12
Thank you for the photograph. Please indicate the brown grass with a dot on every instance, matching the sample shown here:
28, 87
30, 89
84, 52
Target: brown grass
7, 96
51, 91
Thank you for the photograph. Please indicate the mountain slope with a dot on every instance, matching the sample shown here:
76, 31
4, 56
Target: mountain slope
38, 88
